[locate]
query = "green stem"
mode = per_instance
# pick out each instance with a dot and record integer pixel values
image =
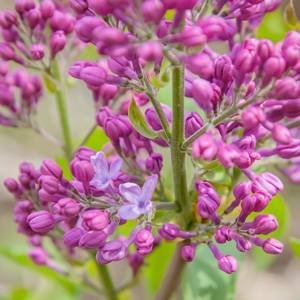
(62, 110)
(107, 282)
(178, 156)
(165, 205)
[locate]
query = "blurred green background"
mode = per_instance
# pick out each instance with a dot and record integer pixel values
(259, 278)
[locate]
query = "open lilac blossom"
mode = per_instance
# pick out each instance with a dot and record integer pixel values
(104, 173)
(138, 200)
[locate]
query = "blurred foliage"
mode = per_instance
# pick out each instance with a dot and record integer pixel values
(295, 243)
(290, 16)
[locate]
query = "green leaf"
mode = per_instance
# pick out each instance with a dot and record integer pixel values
(295, 243)
(97, 140)
(138, 121)
(63, 163)
(20, 293)
(279, 208)
(273, 27)
(163, 216)
(50, 83)
(290, 16)
(203, 280)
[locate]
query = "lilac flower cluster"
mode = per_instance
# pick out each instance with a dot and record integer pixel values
(247, 108)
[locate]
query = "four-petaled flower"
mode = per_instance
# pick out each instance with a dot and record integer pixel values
(104, 174)
(139, 200)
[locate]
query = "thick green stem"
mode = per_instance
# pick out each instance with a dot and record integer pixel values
(62, 110)
(178, 156)
(107, 282)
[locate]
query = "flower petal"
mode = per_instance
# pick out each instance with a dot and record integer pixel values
(115, 167)
(131, 192)
(149, 187)
(128, 212)
(99, 164)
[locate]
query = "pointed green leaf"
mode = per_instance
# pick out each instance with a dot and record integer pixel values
(138, 121)
(290, 16)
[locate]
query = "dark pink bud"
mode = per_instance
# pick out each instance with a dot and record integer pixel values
(72, 237)
(199, 64)
(47, 8)
(272, 246)
(190, 37)
(24, 5)
(193, 123)
(273, 67)
(242, 244)
(108, 92)
(205, 147)
(79, 6)
(289, 151)
(6, 51)
(223, 68)
(94, 220)
(39, 256)
(154, 163)
(8, 18)
(103, 113)
(281, 134)
(93, 76)
(152, 11)
(253, 116)
(152, 118)
(11, 185)
(34, 17)
(67, 207)
(150, 51)
(58, 41)
(49, 167)
(61, 21)
(224, 234)
(248, 206)
(203, 93)
(41, 221)
(135, 261)
(111, 128)
(85, 153)
(264, 224)
(292, 108)
(78, 66)
(267, 182)
(37, 51)
(265, 49)
(85, 26)
(49, 183)
(287, 88)
(82, 170)
(101, 7)
(169, 231)
(144, 242)
(3, 68)
(92, 240)
(291, 49)
(228, 264)
(188, 253)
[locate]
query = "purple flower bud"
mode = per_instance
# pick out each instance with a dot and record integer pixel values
(205, 147)
(72, 237)
(267, 182)
(24, 5)
(47, 8)
(224, 234)
(93, 76)
(92, 240)
(287, 88)
(121, 66)
(273, 67)
(94, 220)
(169, 232)
(272, 246)
(281, 134)
(108, 92)
(67, 207)
(101, 7)
(265, 49)
(61, 21)
(190, 37)
(6, 51)
(228, 264)
(188, 253)
(193, 123)
(11, 185)
(38, 255)
(207, 205)
(79, 6)
(45, 197)
(78, 66)
(150, 51)
(3, 68)
(200, 64)
(248, 206)
(111, 251)
(85, 153)
(82, 170)
(49, 167)
(292, 108)
(262, 224)
(290, 48)
(288, 151)
(49, 183)
(144, 242)
(34, 17)
(103, 113)
(223, 68)
(85, 26)
(58, 41)
(152, 118)
(42, 221)
(112, 128)
(135, 261)
(253, 116)
(7, 19)
(154, 163)
(152, 11)
(37, 51)
(242, 244)
(203, 94)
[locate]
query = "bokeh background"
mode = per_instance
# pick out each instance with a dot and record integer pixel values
(260, 277)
